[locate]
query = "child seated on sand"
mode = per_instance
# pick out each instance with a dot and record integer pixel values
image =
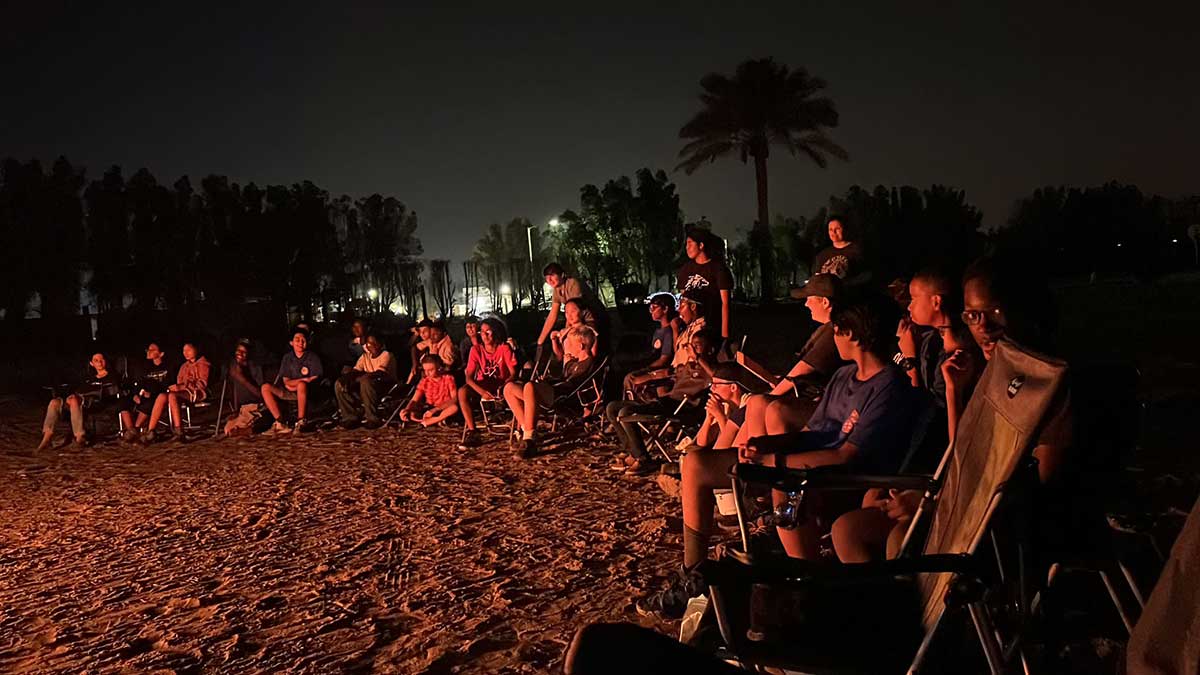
(436, 398)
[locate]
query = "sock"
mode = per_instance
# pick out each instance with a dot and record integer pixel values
(695, 547)
(527, 435)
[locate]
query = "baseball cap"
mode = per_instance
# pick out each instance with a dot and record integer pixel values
(692, 295)
(819, 285)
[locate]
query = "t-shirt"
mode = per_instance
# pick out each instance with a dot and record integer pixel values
(820, 351)
(356, 348)
(496, 367)
(253, 373)
(574, 374)
(294, 367)
(464, 349)
(683, 344)
(662, 342)
(153, 378)
(379, 364)
(593, 313)
(841, 262)
(708, 280)
(437, 390)
(875, 415)
(444, 349)
(931, 354)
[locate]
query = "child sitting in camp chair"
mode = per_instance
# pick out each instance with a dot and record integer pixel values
(524, 399)
(436, 397)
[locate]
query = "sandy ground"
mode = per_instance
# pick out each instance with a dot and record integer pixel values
(331, 552)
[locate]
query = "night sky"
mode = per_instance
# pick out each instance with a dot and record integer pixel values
(484, 113)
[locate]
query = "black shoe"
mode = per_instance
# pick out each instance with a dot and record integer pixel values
(528, 449)
(177, 435)
(373, 424)
(148, 437)
(303, 427)
(348, 424)
(470, 440)
(671, 602)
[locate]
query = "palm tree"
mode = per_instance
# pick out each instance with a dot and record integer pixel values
(764, 103)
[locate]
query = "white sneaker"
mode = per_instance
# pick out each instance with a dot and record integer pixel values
(279, 428)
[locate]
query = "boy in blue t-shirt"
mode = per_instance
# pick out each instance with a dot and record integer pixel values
(298, 368)
(863, 420)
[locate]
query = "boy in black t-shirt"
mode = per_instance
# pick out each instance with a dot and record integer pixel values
(706, 274)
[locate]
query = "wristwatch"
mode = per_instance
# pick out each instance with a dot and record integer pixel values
(905, 362)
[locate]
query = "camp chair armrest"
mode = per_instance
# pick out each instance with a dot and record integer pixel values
(779, 570)
(825, 478)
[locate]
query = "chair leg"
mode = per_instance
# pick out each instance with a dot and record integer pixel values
(1133, 587)
(220, 408)
(987, 637)
(1112, 593)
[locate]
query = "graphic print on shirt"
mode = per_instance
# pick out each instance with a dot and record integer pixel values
(851, 422)
(836, 265)
(695, 281)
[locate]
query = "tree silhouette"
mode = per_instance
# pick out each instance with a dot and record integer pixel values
(763, 104)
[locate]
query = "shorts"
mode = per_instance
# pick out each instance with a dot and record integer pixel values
(283, 393)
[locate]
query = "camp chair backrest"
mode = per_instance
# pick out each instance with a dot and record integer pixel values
(591, 390)
(1000, 423)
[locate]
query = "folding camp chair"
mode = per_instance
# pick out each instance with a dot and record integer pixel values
(662, 432)
(870, 617)
(584, 404)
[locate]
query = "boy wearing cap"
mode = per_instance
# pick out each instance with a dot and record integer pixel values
(818, 360)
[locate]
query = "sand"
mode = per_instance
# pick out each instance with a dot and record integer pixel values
(337, 551)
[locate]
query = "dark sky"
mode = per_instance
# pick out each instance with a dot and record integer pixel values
(485, 112)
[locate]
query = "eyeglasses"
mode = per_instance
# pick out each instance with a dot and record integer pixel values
(974, 317)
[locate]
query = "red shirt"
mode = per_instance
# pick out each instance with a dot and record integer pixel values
(437, 390)
(494, 368)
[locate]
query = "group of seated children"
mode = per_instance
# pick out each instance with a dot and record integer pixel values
(148, 394)
(897, 400)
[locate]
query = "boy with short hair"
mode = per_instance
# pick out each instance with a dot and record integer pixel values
(298, 368)
(374, 372)
(436, 398)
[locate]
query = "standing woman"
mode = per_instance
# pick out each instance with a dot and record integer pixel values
(843, 257)
(101, 384)
(191, 383)
(706, 274)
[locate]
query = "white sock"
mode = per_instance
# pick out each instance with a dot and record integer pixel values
(527, 436)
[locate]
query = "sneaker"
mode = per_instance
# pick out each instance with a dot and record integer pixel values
(147, 437)
(528, 449)
(302, 426)
(470, 440)
(373, 424)
(348, 424)
(279, 428)
(621, 462)
(641, 467)
(177, 435)
(129, 435)
(670, 603)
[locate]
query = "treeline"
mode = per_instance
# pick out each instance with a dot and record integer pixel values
(137, 243)
(1111, 229)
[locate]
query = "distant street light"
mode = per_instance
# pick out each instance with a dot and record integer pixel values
(554, 222)
(505, 289)
(373, 293)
